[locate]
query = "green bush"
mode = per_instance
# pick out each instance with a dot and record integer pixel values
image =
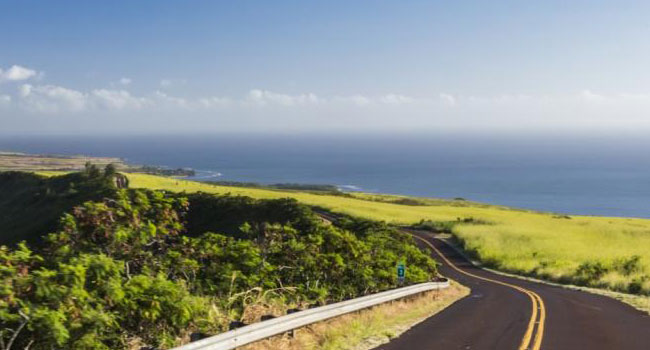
(125, 269)
(589, 273)
(629, 266)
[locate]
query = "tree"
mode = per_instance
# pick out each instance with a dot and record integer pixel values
(91, 170)
(110, 170)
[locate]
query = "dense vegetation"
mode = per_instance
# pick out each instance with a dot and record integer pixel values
(156, 170)
(585, 250)
(143, 267)
(31, 205)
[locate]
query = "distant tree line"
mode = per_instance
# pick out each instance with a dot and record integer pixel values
(281, 186)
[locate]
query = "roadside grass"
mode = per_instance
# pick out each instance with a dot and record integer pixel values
(639, 302)
(367, 328)
(600, 252)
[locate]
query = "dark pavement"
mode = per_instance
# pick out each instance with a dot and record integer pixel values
(496, 316)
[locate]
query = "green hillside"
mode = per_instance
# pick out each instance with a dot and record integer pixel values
(147, 267)
(602, 252)
(31, 205)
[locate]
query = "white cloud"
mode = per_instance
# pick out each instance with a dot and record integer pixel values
(395, 99)
(17, 73)
(163, 100)
(168, 83)
(121, 83)
(264, 97)
(24, 90)
(52, 98)
(214, 101)
(357, 100)
(299, 110)
(367, 101)
(115, 100)
(448, 99)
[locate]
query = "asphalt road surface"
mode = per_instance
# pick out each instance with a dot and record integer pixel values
(510, 313)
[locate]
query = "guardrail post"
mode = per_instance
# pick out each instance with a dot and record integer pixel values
(236, 324)
(292, 333)
(198, 336)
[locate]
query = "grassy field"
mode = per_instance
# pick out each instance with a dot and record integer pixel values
(51, 164)
(601, 252)
(36, 162)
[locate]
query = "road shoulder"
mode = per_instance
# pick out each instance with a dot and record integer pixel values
(368, 328)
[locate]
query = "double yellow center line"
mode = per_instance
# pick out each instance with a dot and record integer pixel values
(538, 317)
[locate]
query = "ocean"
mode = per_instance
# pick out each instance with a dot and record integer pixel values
(573, 175)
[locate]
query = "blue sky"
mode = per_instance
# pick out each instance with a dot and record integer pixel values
(300, 66)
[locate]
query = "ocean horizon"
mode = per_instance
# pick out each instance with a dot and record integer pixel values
(579, 176)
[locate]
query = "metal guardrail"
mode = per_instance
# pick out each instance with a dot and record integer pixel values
(262, 330)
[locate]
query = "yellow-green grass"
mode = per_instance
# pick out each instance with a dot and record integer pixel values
(355, 204)
(51, 172)
(533, 243)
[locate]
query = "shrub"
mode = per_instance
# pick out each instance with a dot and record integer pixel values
(124, 268)
(435, 226)
(635, 287)
(589, 273)
(629, 266)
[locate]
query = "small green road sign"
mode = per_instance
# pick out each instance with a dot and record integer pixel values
(401, 272)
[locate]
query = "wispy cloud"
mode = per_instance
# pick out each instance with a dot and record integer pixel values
(265, 97)
(396, 99)
(215, 102)
(54, 99)
(306, 109)
(114, 100)
(51, 98)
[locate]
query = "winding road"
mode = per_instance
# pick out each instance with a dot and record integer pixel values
(511, 313)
